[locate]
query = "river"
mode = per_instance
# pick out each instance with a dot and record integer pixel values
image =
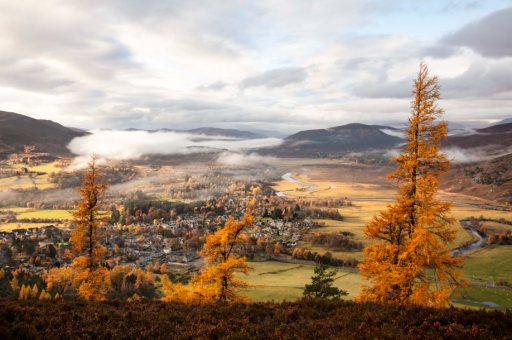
(481, 240)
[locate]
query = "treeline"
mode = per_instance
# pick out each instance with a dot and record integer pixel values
(325, 213)
(324, 258)
(131, 206)
(505, 238)
(334, 240)
(305, 319)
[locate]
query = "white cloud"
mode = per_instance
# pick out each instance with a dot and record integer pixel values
(130, 145)
(169, 63)
(236, 159)
(394, 133)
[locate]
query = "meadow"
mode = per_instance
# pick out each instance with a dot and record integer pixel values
(286, 281)
(11, 226)
(46, 213)
(489, 262)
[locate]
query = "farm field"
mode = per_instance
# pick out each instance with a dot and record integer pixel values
(490, 262)
(483, 294)
(25, 182)
(287, 281)
(11, 226)
(15, 209)
(495, 227)
(46, 213)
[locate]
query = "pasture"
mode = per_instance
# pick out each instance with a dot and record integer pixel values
(286, 281)
(12, 226)
(489, 262)
(473, 295)
(46, 213)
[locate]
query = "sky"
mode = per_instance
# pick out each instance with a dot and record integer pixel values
(268, 64)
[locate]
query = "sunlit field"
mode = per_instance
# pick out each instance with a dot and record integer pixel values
(286, 281)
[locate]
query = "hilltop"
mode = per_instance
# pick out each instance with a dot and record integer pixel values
(17, 130)
(492, 138)
(305, 319)
(346, 138)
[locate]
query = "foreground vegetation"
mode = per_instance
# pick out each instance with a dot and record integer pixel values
(305, 319)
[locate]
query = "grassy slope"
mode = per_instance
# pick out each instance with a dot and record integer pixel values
(286, 281)
(490, 262)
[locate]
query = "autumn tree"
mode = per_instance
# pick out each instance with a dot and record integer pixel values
(412, 236)
(163, 269)
(14, 284)
(93, 278)
(217, 283)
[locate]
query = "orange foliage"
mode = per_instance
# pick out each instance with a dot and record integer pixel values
(412, 235)
(217, 283)
(92, 277)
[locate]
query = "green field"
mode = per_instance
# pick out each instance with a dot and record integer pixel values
(482, 294)
(11, 226)
(354, 220)
(25, 182)
(287, 281)
(490, 262)
(15, 209)
(46, 213)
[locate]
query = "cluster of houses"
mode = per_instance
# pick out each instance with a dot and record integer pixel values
(27, 232)
(153, 247)
(272, 228)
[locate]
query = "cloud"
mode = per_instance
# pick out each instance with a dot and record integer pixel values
(481, 79)
(275, 78)
(394, 133)
(489, 36)
(471, 155)
(130, 145)
(235, 159)
(386, 89)
(217, 86)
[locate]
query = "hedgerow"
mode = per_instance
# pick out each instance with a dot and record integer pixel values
(304, 319)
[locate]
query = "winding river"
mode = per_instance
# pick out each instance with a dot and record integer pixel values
(481, 240)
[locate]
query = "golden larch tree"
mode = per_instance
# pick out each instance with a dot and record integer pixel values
(217, 283)
(411, 238)
(92, 278)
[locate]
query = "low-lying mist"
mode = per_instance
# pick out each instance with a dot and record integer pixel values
(464, 155)
(132, 145)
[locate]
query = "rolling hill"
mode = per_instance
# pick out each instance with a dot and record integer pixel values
(493, 138)
(346, 138)
(17, 130)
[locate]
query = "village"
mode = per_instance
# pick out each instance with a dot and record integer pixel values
(175, 241)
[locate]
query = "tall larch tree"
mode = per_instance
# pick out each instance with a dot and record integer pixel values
(217, 283)
(92, 278)
(411, 238)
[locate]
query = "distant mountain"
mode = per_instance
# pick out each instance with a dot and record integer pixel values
(495, 137)
(209, 131)
(504, 121)
(351, 137)
(17, 130)
(76, 129)
(270, 133)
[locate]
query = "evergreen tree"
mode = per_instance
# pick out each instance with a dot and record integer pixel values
(321, 285)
